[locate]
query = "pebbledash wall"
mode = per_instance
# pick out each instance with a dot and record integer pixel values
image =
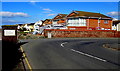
(81, 33)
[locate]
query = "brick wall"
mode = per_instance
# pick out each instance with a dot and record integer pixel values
(79, 33)
(77, 27)
(93, 23)
(106, 26)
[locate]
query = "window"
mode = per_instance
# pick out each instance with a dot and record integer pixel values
(77, 22)
(106, 21)
(82, 22)
(55, 21)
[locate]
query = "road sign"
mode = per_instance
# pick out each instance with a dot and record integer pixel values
(9, 32)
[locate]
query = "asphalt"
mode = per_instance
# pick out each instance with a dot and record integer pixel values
(49, 54)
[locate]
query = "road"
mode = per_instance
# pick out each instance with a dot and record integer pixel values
(71, 53)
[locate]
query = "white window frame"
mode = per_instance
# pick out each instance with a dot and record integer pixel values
(77, 22)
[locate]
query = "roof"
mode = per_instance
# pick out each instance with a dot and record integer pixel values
(19, 24)
(60, 16)
(87, 14)
(47, 21)
(116, 21)
(31, 24)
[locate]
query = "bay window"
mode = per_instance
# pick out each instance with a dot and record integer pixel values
(76, 22)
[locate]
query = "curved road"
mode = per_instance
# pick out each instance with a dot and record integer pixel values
(71, 53)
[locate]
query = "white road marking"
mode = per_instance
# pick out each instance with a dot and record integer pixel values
(63, 43)
(89, 55)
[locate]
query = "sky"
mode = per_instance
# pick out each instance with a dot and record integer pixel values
(61, 0)
(30, 12)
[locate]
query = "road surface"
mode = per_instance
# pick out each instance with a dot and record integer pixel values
(71, 53)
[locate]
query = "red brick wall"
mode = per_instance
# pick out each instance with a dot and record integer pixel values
(79, 33)
(93, 23)
(107, 26)
(78, 27)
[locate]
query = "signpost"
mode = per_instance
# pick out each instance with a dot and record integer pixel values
(9, 33)
(10, 52)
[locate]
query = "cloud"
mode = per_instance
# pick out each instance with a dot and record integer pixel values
(51, 14)
(46, 12)
(115, 19)
(11, 14)
(47, 9)
(113, 13)
(33, 2)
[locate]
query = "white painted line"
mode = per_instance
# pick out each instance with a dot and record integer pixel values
(63, 43)
(89, 55)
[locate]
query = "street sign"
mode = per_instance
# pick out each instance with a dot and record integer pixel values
(9, 33)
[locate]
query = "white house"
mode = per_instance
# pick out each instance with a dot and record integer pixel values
(116, 25)
(37, 25)
(19, 26)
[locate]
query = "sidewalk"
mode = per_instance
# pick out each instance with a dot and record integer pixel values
(0, 36)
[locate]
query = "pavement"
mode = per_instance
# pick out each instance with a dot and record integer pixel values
(0, 55)
(0, 34)
(71, 53)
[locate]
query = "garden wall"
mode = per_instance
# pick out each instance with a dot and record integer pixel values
(81, 33)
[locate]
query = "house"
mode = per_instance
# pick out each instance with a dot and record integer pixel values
(60, 19)
(47, 22)
(88, 21)
(28, 27)
(37, 25)
(31, 26)
(19, 26)
(116, 25)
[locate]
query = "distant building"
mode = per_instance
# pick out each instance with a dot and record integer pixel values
(37, 25)
(28, 26)
(19, 26)
(88, 20)
(116, 25)
(60, 19)
(47, 22)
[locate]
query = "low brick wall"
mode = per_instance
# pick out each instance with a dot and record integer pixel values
(79, 33)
